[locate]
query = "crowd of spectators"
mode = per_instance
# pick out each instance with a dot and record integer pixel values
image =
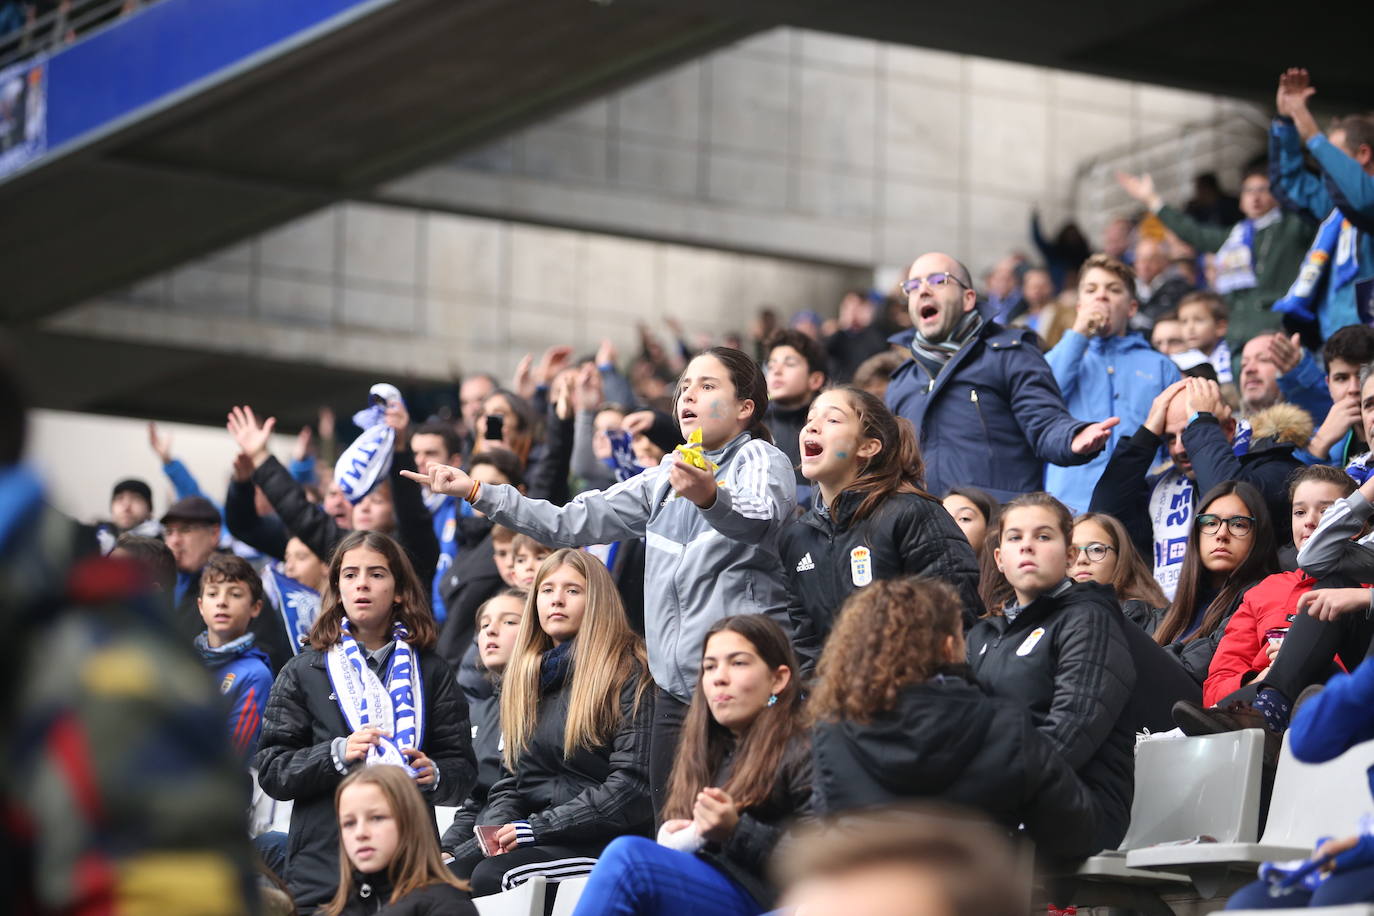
(662, 620)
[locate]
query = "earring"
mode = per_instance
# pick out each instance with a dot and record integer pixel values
(773, 699)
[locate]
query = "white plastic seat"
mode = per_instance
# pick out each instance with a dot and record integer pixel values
(525, 900)
(566, 896)
(1309, 801)
(1184, 788)
(443, 817)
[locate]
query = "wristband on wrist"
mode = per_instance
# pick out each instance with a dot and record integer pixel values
(473, 491)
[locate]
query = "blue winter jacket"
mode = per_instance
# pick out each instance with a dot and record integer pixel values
(1101, 378)
(992, 416)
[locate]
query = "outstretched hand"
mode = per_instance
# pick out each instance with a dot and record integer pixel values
(442, 478)
(1093, 437)
(1295, 88)
(162, 445)
(251, 436)
(1140, 187)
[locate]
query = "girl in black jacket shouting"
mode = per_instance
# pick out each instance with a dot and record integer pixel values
(368, 688)
(1231, 547)
(916, 726)
(1058, 649)
(575, 718)
(743, 770)
(871, 519)
(389, 861)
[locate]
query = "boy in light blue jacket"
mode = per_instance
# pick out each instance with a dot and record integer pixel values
(1104, 370)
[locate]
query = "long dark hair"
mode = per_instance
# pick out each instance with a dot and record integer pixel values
(412, 598)
(705, 742)
(898, 467)
(749, 383)
(1262, 561)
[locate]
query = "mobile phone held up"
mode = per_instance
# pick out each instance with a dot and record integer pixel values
(494, 430)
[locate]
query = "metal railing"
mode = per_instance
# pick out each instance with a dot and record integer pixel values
(68, 21)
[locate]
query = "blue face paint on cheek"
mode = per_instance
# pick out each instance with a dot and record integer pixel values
(716, 412)
(842, 455)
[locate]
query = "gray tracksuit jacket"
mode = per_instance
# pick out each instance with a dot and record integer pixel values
(700, 564)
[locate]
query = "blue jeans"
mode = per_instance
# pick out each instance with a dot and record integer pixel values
(638, 877)
(1353, 886)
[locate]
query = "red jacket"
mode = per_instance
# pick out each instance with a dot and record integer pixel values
(1271, 602)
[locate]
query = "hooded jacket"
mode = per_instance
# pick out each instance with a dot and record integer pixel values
(947, 740)
(991, 417)
(700, 564)
(584, 800)
(295, 761)
(908, 535)
(1064, 658)
(1103, 377)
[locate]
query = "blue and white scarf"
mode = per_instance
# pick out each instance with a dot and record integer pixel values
(1171, 516)
(1332, 257)
(297, 604)
(622, 459)
(368, 459)
(397, 708)
(1235, 259)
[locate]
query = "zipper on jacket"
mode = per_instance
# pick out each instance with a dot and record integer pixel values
(973, 397)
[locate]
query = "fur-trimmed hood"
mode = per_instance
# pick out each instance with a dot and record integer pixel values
(1281, 424)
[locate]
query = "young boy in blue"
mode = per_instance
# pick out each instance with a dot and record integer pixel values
(230, 597)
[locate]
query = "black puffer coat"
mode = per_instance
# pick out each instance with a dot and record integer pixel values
(587, 799)
(1065, 659)
(295, 761)
(908, 535)
(371, 893)
(947, 740)
(486, 745)
(745, 855)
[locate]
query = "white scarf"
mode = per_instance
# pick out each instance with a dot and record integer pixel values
(1171, 515)
(368, 459)
(396, 708)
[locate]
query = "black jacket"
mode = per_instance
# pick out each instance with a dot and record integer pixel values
(1065, 659)
(947, 740)
(1123, 490)
(371, 893)
(265, 534)
(908, 535)
(785, 425)
(471, 580)
(294, 761)
(745, 855)
(319, 532)
(486, 746)
(1194, 655)
(585, 800)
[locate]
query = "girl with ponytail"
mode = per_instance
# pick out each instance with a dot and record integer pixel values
(871, 518)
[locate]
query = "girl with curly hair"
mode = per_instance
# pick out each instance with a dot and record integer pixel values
(917, 726)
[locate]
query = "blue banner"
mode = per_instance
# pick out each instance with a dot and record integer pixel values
(23, 114)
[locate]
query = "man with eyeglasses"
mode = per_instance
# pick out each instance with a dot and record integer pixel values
(984, 404)
(1191, 421)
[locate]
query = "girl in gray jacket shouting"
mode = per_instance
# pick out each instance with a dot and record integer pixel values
(711, 534)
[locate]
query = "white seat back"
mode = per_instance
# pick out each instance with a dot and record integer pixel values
(1187, 787)
(1313, 800)
(566, 895)
(443, 817)
(525, 900)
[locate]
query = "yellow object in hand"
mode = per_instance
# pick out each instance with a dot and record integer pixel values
(692, 453)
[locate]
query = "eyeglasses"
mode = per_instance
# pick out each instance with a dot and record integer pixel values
(1096, 552)
(936, 281)
(1239, 525)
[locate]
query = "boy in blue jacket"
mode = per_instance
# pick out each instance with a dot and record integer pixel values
(1104, 369)
(230, 597)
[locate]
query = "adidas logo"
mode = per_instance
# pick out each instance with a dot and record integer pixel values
(805, 564)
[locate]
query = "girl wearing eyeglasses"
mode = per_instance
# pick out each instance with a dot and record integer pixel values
(1102, 552)
(1230, 547)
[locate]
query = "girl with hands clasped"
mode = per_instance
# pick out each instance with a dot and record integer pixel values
(575, 712)
(743, 771)
(367, 690)
(389, 862)
(711, 536)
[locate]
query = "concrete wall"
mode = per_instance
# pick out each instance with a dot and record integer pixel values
(806, 144)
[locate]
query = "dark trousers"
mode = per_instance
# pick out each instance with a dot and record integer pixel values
(495, 874)
(669, 714)
(1309, 647)
(1353, 886)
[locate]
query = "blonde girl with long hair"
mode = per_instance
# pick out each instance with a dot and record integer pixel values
(576, 710)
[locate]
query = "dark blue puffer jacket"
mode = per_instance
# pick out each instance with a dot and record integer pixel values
(991, 418)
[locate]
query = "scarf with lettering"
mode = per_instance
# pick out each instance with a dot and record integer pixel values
(395, 704)
(1171, 516)
(1235, 259)
(297, 604)
(1331, 258)
(368, 459)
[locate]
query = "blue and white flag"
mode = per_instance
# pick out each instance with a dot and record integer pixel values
(368, 459)
(297, 604)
